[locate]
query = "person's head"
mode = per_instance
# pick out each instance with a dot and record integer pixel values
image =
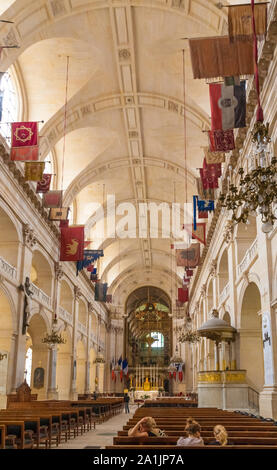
(193, 428)
(220, 434)
(148, 425)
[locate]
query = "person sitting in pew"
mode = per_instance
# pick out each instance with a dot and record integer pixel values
(146, 427)
(221, 436)
(193, 438)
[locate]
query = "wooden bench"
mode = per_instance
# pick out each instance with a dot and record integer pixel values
(236, 440)
(17, 435)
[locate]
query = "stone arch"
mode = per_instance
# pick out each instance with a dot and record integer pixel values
(10, 237)
(223, 272)
(66, 296)
(83, 312)
(245, 234)
(250, 337)
(42, 274)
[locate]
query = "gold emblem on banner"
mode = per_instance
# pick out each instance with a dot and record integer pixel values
(71, 248)
(26, 133)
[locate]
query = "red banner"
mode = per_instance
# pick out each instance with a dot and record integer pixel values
(24, 134)
(190, 257)
(72, 243)
(52, 199)
(43, 186)
(23, 154)
(183, 294)
(221, 141)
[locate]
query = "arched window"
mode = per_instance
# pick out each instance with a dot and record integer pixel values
(28, 366)
(159, 343)
(8, 105)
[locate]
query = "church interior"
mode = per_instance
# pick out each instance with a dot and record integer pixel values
(138, 233)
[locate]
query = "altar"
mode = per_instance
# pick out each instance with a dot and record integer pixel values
(140, 394)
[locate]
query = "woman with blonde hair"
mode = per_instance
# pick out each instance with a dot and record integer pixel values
(221, 436)
(146, 427)
(193, 438)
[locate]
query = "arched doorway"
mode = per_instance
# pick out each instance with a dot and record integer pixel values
(251, 345)
(64, 369)
(6, 329)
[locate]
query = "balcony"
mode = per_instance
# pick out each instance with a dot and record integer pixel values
(224, 294)
(249, 258)
(7, 270)
(41, 297)
(82, 328)
(65, 315)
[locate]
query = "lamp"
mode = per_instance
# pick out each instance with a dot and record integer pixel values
(54, 337)
(188, 335)
(257, 190)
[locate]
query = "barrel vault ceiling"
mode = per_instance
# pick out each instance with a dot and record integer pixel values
(125, 111)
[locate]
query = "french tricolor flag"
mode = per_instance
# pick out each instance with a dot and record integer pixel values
(228, 106)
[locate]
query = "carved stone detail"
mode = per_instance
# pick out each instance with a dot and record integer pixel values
(228, 232)
(77, 293)
(213, 268)
(203, 290)
(29, 236)
(124, 54)
(58, 271)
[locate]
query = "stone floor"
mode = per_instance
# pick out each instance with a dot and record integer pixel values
(102, 435)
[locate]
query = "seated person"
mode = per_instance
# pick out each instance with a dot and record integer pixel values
(221, 436)
(146, 427)
(193, 438)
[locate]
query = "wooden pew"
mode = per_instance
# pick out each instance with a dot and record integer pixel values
(236, 440)
(14, 431)
(2, 436)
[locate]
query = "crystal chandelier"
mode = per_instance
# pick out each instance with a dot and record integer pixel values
(54, 337)
(257, 192)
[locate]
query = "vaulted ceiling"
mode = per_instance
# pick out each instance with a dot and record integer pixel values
(125, 111)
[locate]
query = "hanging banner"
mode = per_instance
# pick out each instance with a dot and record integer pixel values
(208, 193)
(221, 141)
(91, 268)
(199, 233)
(34, 171)
(72, 243)
(88, 258)
(214, 157)
(24, 134)
(228, 106)
(190, 257)
(109, 298)
(240, 21)
(58, 213)
(52, 199)
(100, 292)
(209, 174)
(23, 154)
(43, 185)
(214, 57)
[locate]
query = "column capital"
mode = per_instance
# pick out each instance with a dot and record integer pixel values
(29, 236)
(213, 268)
(77, 293)
(228, 232)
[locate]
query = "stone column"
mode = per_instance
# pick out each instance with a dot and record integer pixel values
(29, 242)
(88, 365)
(73, 390)
(216, 356)
(268, 396)
(52, 393)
